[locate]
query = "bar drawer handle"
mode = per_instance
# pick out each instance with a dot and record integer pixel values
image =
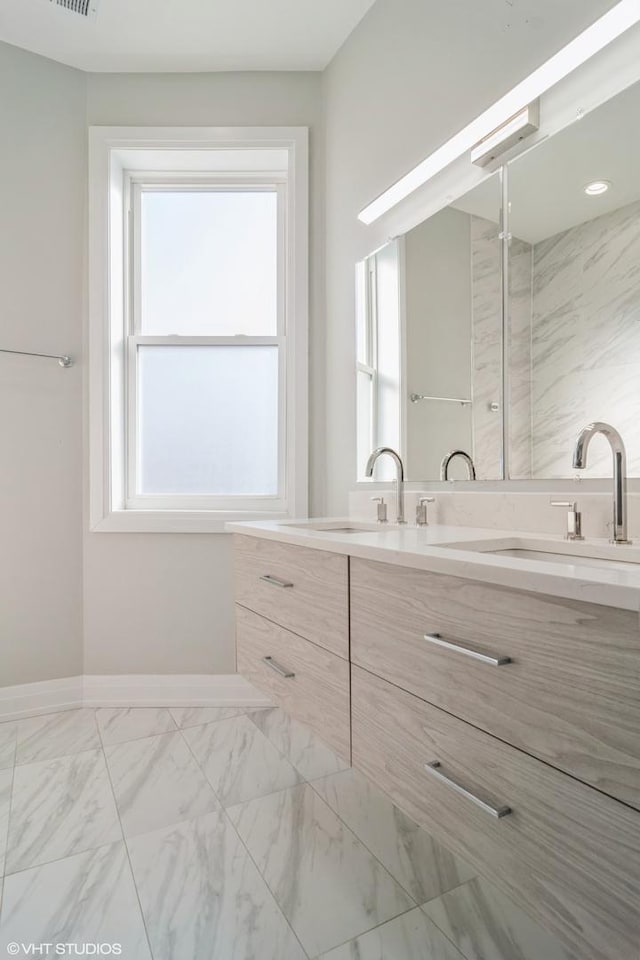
(439, 641)
(276, 581)
(270, 662)
(434, 768)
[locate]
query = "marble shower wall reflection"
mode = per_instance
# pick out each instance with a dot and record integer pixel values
(574, 334)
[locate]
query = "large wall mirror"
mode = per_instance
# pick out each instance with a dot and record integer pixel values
(432, 322)
(429, 319)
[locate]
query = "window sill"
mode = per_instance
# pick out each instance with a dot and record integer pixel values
(177, 521)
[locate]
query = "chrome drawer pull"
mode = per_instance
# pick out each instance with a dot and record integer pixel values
(275, 581)
(270, 662)
(498, 812)
(439, 641)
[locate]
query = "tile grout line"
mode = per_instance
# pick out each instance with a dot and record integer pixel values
(309, 783)
(246, 849)
(437, 925)
(399, 916)
(124, 840)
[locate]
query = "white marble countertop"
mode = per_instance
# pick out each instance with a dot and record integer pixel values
(425, 548)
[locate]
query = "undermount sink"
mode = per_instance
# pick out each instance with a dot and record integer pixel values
(341, 526)
(575, 553)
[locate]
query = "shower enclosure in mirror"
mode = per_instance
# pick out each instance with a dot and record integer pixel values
(457, 353)
(574, 293)
(429, 321)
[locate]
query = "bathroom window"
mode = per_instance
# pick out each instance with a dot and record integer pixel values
(206, 330)
(208, 358)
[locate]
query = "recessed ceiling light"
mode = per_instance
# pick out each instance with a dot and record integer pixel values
(596, 187)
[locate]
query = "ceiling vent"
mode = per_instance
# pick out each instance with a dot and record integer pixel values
(85, 8)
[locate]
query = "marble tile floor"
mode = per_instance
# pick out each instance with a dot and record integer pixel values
(226, 834)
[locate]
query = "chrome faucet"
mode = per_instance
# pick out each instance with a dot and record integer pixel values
(444, 466)
(378, 452)
(619, 472)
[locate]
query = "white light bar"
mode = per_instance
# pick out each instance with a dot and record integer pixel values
(601, 33)
(513, 131)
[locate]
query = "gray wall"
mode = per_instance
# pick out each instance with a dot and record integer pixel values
(42, 177)
(438, 319)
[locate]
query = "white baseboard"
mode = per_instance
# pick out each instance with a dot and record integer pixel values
(177, 690)
(134, 690)
(48, 696)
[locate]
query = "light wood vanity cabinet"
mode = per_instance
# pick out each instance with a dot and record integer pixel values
(567, 853)
(306, 680)
(292, 632)
(561, 679)
(517, 700)
(306, 591)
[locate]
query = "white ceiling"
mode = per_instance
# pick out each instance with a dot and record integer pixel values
(546, 184)
(185, 35)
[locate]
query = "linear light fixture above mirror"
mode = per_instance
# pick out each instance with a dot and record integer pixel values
(604, 31)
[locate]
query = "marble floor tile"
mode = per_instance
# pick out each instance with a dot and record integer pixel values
(203, 898)
(238, 760)
(121, 724)
(59, 808)
(56, 735)
(88, 898)
(411, 936)
(157, 782)
(309, 755)
(485, 925)
(7, 744)
(326, 882)
(418, 862)
(196, 716)
(6, 779)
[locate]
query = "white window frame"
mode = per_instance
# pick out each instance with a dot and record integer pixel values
(115, 506)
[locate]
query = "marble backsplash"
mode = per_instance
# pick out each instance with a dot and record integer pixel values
(509, 510)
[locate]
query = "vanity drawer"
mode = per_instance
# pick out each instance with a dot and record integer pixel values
(566, 853)
(301, 589)
(316, 689)
(570, 693)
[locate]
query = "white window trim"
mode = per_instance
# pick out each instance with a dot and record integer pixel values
(108, 508)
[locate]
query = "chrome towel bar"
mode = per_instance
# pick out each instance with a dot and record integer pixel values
(63, 360)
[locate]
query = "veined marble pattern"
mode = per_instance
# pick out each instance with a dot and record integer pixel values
(309, 755)
(270, 877)
(409, 937)
(586, 340)
(157, 782)
(326, 882)
(238, 760)
(418, 862)
(60, 807)
(88, 898)
(483, 923)
(7, 745)
(203, 898)
(56, 735)
(121, 724)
